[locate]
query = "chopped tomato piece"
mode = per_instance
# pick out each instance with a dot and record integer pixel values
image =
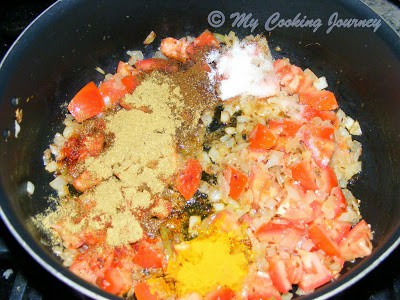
(176, 49)
(319, 140)
(113, 89)
(92, 263)
(280, 232)
(115, 281)
(337, 229)
(125, 69)
(303, 173)
(357, 243)
(285, 127)
(327, 180)
(153, 64)
(225, 221)
(316, 273)
(280, 64)
(321, 100)
(279, 276)
(85, 181)
(148, 255)
(87, 103)
(292, 77)
(262, 138)
(237, 182)
(116, 88)
(143, 292)
(310, 113)
(130, 82)
(206, 39)
(294, 269)
(221, 293)
(259, 182)
(262, 288)
(322, 240)
(189, 179)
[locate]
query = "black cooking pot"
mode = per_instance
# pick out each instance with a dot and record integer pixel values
(59, 52)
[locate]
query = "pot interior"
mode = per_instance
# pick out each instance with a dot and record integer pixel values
(58, 54)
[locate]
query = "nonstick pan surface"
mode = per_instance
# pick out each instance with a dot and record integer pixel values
(59, 51)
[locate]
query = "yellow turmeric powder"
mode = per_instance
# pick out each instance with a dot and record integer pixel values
(203, 264)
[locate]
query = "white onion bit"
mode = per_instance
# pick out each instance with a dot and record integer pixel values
(17, 128)
(30, 188)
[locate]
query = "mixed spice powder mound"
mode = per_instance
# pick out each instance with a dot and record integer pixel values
(135, 168)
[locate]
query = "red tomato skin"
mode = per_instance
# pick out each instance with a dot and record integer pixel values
(142, 292)
(281, 232)
(279, 276)
(237, 182)
(221, 293)
(206, 38)
(294, 269)
(328, 180)
(285, 127)
(130, 82)
(115, 281)
(322, 240)
(125, 69)
(261, 288)
(319, 140)
(189, 179)
(87, 103)
(261, 138)
(321, 100)
(310, 113)
(337, 229)
(153, 64)
(315, 272)
(304, 174)
(357, 243)
(147, 255)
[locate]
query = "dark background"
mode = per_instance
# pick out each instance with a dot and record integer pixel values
(30, 281)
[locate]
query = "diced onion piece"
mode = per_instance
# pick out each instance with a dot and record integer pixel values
(68, 131)
(230, 130)
(225, 117)
(150, 38)
(7, 273)
(159, 54)
(51, 167)
(311, 74)
(194, 222)
(46, 156)
(220, 37)
(100, 70)
(215, 196)
(58, 183)
(320, 83)
(214, 154)
(206, 119)
(30, 188)
(218, 207)
(17, 128)
(59, 139)
(356, 129)
(134, 56)
(243, 119)
(348, 123)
